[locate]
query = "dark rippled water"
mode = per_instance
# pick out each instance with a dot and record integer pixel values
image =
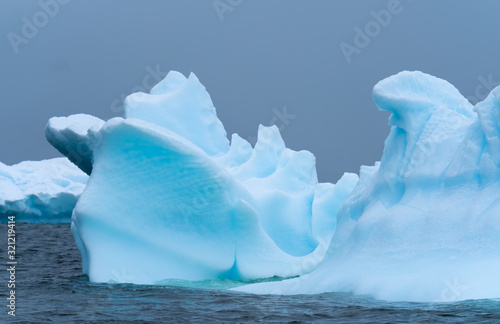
(51, 289)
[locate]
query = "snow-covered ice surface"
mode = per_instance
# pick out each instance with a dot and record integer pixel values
(40, 191)
(169, 197)
(71, 136)
(423, 224)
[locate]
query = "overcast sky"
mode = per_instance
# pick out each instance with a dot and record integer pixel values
(307, 66)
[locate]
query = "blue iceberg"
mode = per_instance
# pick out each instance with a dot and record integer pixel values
(423, 224)
(40, 191)
(169, 197)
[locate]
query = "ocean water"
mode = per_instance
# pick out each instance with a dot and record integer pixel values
(51, 289)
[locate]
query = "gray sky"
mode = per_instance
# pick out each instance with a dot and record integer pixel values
(255, 57)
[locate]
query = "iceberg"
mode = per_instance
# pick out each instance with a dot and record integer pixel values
(423, 224)
(70, 136)
(40, 191)
(170, 197)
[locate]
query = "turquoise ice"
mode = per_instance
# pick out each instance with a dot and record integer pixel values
(169, 197)
(423, 224)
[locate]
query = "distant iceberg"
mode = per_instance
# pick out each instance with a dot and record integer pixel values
(40, 191)
(423, 224)
(169, 197)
